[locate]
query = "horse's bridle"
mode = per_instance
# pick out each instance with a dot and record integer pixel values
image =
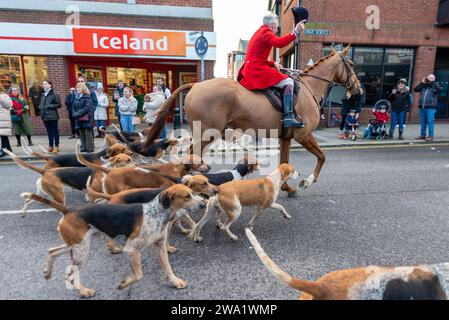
(349, 84)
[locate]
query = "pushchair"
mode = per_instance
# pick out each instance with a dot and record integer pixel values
(375, 130)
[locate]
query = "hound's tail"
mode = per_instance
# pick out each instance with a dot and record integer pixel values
(23, 164)
(95, 194)
(88, 164)
(30, 152)
(47, 202)
(121, 134)
(161, 118)
(306, 286)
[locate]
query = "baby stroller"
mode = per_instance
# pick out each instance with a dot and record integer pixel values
(375, 130)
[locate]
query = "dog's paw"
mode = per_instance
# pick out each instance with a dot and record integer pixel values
(47, 274)
(125, 283)
(115, 250)
(171, 249)
(293, 194)
(178, 283)
(87, 293)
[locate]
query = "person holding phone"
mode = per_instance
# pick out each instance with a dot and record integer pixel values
(429, 91)
(401, 100)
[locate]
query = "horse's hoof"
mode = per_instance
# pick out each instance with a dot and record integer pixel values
(293, 194)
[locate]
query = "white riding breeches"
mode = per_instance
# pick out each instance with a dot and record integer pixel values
(285, 82)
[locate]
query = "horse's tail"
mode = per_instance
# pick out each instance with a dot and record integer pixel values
(312, 288)
(159, 122)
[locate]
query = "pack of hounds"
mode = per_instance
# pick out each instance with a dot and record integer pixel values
(135, 194)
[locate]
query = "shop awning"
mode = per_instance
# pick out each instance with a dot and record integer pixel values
(443, 14)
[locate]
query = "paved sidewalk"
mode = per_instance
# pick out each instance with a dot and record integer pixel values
(327, 137)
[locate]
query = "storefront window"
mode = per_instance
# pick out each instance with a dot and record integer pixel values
(93, 75)
(36, 71)
(379, 69)
(11, 72)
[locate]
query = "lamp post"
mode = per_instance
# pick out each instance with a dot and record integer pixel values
(297, 45)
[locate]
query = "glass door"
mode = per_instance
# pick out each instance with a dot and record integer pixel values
(442, 77)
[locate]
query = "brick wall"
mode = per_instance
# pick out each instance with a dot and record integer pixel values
(110, 21)
(408, 23)
(208, 70)
(58, 74)
(181, 3)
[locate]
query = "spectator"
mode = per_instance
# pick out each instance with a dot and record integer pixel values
(152, 104)
(350, 102)
(428, 100)
(5, 121)
(118, 93)
(128, 107)
(20, 116)
(50, 103)
(35, 94)
(93, 96)
(167, 94)
(350, 122)
(101, 112)
(83, 114)
(69, 101)
(400, 99)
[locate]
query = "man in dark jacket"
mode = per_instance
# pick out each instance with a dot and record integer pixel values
(50, 103)
(69, 101)
(428, 100)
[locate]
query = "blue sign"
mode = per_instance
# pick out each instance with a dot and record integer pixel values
(317, 32)
(201, 46)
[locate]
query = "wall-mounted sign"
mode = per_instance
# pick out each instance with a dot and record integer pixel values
(129, 42)
(317, 32)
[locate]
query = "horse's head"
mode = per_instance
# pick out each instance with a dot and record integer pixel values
(345, 74)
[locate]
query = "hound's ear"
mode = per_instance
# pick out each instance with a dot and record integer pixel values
(113, 160)
(165, 200)
(108, 153)
(346, 50)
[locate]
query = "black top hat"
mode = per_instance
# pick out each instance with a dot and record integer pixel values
(300, 13)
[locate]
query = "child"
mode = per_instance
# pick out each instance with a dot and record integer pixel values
(350, 122)
(381, 115)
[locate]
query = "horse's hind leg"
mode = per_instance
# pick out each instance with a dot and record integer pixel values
(310, 144)
(285, 157)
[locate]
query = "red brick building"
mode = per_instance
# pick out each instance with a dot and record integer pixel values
(410, 41)
(136, 41)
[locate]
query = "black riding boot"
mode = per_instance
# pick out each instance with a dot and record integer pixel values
(30, 143)
(19, 142)
(288, 119)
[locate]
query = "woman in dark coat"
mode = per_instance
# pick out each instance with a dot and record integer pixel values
(50, 103)
(83, 112)
(401, 100)
(350, 102)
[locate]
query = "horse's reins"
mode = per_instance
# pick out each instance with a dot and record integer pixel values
(348, 84)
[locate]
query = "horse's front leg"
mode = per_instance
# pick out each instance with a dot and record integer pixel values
(285, 157)
(310, 144)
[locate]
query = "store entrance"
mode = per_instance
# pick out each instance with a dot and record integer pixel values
(442, 77)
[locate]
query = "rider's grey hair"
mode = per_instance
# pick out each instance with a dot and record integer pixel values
(270, 18)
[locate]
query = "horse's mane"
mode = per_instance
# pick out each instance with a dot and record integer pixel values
(308, 69)
(316, 64)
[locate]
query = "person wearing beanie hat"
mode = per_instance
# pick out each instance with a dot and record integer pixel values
(101, 112)
(400, 99)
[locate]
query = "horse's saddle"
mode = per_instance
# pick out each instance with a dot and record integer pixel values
(275, 97)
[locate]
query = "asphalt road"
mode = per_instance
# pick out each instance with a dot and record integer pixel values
(385, 206)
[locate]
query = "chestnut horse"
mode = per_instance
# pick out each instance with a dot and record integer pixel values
(223, 103)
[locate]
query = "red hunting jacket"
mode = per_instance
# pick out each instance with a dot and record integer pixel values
(257, 72)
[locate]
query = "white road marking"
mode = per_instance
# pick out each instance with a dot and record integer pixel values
(9, 212)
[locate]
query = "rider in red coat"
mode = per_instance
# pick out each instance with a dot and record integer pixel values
(258, 72)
